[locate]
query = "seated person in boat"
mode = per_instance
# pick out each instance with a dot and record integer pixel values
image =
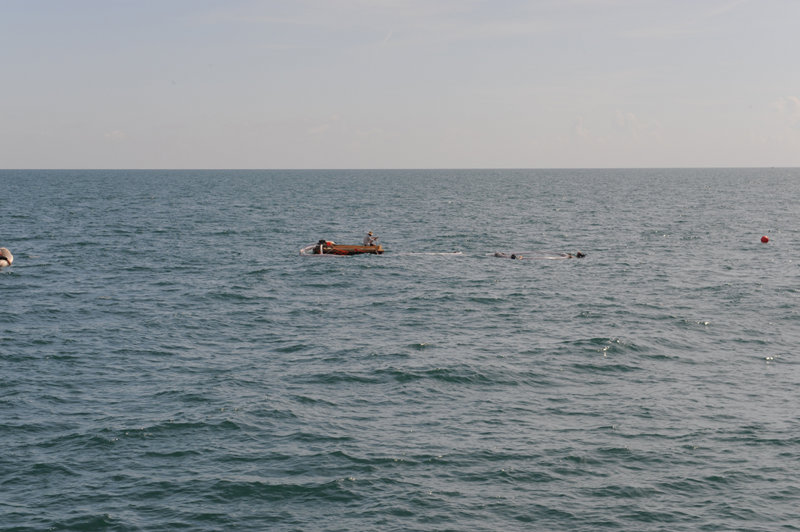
(319, 249)
(370, 240)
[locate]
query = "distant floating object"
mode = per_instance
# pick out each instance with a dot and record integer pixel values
(765, 239)
(6, 258)
(539, 255)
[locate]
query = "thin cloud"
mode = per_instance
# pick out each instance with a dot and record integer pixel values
(116, 135)
(635, 127)
(324, 127)
(579, 130)
(421, 21)
(682, 28)
(789, 108)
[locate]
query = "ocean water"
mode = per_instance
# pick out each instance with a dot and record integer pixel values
(169, 361)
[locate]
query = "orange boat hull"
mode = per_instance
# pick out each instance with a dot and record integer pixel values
(340, 249)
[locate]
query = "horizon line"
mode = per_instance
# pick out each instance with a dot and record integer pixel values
(437, 168)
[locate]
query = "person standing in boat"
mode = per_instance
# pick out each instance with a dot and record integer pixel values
(370, 240)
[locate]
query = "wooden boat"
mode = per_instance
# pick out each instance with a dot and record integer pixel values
(326, 247)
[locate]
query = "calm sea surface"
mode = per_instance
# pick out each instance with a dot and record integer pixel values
(168, 360)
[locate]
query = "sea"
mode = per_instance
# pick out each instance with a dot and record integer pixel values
(169, 360)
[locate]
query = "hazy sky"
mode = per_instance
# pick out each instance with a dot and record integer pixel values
(399, 83)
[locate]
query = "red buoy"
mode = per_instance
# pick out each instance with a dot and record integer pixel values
(765, 239)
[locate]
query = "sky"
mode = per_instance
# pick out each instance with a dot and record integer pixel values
(399, 83)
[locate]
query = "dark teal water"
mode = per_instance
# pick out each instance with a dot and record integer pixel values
(168, 361)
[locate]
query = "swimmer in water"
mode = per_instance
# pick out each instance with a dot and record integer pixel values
(576, 255)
